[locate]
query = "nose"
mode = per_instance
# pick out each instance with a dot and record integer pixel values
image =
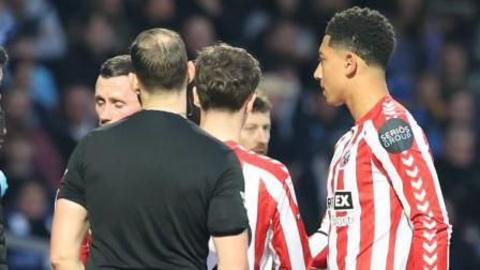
(262, 136)
(105, 115)
(317, 75)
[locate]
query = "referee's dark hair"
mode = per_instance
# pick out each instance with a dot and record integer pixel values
(3, 57)
(120, 65)
(365, 32)
(159, 60)
(225, 77)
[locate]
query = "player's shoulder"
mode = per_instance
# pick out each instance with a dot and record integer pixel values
(395, 126)
(262, 163)
(391, 108)
(390, 112)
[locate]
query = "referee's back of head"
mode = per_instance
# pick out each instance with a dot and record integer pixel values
(159, 60)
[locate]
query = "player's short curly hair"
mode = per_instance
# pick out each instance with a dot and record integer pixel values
(365, 32)
(225, 77)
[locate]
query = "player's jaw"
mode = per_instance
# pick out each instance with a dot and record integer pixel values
(333, 94)
(260, 148)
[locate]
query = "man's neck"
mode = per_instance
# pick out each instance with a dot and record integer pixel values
(173, 102)
(225, 126)
(365, 94)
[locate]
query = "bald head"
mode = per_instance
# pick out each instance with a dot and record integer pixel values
(159, 60)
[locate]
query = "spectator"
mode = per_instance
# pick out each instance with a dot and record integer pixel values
(198, 32)
(79, 111)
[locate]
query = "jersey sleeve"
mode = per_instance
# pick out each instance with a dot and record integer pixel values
(85, 248)
(289, 237)
(73, 185)
(318, 243)
(227, 214)
(401, 150)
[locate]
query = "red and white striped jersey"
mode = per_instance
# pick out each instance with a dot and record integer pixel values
(385, 206)
(278, 239)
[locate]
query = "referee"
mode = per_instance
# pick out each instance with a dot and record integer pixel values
(153, 187)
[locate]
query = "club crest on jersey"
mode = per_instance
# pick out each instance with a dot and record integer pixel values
(396, 135)
(345, 159)
(342, 200)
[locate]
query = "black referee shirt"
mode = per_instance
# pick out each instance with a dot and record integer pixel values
(156, 188)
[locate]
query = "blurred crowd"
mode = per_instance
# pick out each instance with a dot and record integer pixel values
(56, 48)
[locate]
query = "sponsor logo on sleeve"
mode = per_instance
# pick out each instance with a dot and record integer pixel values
(396, 135)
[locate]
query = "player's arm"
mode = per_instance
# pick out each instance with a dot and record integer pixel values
(70, 221)
(318, 243)
(227, 217)
(85, 247)
(289, 238)
(232, 251)
(407, 161)
(68, 231)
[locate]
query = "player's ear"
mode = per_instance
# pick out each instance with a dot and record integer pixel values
(134, 81)
(196, 100)
(190, 71)
(249, 102)
(351, 64)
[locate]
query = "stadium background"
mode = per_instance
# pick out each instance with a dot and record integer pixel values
(57, 46)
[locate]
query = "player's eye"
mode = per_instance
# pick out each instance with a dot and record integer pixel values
(118, 104)
(100, 102)
(249, 128)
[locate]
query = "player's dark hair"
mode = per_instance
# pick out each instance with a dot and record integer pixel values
(365, 32)
(159, 60)
(225, 77)
(120, 65)
(261, 104)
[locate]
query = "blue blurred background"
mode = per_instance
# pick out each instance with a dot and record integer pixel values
(57, 46)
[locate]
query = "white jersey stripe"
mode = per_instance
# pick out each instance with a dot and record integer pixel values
(381, 195)
(266, 262)
(350, 182)
(332, 255)
(403, 243)
(333, 177)
(251, 203)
